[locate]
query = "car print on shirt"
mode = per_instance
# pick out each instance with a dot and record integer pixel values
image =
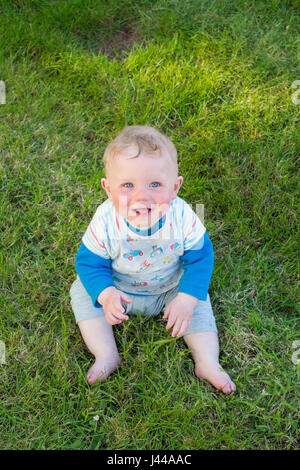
(156, 249)
(174, 246)
(139, 284)
(132, 254)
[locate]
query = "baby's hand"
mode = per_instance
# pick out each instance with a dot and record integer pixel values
(111, 300)
(179, 313)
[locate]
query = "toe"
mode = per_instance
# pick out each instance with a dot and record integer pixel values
(91, 378)
(226, 388)
(233, 387)
(229, 387)
(217, 377)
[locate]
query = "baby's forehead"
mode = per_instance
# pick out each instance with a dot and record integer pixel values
(133, 151)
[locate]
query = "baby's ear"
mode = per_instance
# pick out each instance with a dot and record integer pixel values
(105, 186)
(177, 185)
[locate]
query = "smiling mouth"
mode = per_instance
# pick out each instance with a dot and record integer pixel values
(142, 212)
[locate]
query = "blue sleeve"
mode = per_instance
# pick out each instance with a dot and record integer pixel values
(94, 272)
(197, 264)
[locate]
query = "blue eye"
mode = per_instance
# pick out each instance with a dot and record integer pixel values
(155, 184)
(128, 185)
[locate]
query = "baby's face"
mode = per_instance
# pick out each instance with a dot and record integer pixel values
(142, 188)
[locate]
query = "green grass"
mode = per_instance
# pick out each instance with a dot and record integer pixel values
(216, 77)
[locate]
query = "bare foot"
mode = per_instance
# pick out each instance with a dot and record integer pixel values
(216, 376)
(101, 369)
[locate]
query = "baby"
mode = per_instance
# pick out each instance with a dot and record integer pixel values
(145, 251)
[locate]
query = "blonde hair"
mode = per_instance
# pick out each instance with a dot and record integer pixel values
(147, 140)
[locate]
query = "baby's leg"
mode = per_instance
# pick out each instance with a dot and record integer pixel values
(98, 337)
(204, 347)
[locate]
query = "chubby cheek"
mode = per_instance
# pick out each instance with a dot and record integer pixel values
(120, 202)
(163, 202)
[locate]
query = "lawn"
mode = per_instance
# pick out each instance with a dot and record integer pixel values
(216, 77)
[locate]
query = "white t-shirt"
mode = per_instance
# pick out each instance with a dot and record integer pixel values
(145, 264)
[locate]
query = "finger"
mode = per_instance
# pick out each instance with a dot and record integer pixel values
(171, 321)
(125, 298)
(119, 315)
(118, 310)
(176, 328)
(166, 313)
(184, 327)
(111, 319)
(180, 327)
(117, 306)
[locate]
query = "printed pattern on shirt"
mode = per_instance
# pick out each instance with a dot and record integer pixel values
(144, 264)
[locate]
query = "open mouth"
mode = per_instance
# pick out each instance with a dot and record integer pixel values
(142, 212)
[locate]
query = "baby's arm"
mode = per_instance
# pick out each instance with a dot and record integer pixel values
(95, 274)
(197, 264)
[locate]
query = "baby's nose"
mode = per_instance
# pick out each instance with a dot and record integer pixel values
(142, 194)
